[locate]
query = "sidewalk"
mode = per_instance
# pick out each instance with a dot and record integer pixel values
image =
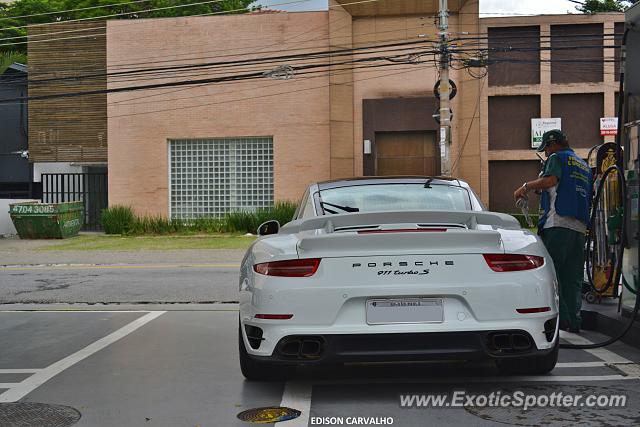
(606, 319)
(14, 251)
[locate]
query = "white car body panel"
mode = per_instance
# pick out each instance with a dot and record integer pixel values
(332, 301)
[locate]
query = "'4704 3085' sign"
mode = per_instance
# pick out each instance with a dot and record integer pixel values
(32, 209)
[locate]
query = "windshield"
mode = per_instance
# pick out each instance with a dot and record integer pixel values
(394, 197)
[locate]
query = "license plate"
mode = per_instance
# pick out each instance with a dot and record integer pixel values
(405, 310)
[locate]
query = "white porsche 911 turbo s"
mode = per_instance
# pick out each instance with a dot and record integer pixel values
(396, 269)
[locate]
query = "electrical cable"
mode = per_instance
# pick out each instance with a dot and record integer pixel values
(618, 267)
(240, 62)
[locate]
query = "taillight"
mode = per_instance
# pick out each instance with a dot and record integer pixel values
(513, 262)
(289, 268)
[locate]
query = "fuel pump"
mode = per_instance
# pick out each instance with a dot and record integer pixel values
(612, 255)
(604, 243)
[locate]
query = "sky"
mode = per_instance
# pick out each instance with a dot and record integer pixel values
(487, 7)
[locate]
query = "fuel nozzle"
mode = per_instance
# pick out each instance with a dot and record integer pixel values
(523, 204)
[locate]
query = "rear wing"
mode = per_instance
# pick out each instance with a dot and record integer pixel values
(466, 219)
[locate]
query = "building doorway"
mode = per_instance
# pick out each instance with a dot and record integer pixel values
(407, 153)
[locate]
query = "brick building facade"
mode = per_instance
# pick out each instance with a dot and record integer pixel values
(210, 148)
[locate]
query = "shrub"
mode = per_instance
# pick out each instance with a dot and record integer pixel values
(248, 221)
(118, 219)
(121, 220)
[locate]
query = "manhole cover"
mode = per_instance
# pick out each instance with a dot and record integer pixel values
(558, 415)
(268, 415)
(37, 415)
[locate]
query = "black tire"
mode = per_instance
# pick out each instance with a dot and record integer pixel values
(537, 365)
(255, 370)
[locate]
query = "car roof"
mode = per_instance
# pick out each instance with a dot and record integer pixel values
(368, 180)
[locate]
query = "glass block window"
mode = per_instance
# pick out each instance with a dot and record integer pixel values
(210, 177)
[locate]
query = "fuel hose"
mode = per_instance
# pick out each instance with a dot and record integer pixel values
(614, 277)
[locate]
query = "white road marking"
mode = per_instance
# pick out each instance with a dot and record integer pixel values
(505, 379)
(297, 395)
(19, 371)
(70, 310)
(601, 353)
(580, 364)
(36, 380)
(8, 385)
(112, 266)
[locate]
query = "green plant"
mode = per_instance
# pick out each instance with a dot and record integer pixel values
(249, 221)
(121, 220)
(9, 57)
(118, 219)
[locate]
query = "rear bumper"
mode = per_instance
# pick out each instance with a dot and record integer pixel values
(397, 347)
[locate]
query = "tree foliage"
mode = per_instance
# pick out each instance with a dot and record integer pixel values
(9, 57)
(595, 6)
(62, 10)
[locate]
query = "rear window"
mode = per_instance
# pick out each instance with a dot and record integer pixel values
(395, 197)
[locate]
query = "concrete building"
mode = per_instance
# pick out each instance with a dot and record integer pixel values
(213, 147)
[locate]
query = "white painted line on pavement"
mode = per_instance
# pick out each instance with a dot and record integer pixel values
(297, 395)
(70, 311)
(114, 266)
(8, 385)
(601, 353)
(19, 371)
(505, 379)
(44, 375)
(580, 364)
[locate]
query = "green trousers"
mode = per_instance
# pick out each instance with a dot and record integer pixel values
(566, 248)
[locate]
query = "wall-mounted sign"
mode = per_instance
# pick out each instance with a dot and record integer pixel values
(366, 147)
(608, 126)
(540, 126)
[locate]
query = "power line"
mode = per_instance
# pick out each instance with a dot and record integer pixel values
(57, 12)
(95, 18)
(239, 62)
(184, 82)
(261, 96)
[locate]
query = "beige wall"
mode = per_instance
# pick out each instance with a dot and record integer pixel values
(316, 121)
(294, 112)
(418, 81)
(545, 89)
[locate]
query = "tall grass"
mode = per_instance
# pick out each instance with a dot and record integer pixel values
(122, 220)
(117, 219)
(248, 222)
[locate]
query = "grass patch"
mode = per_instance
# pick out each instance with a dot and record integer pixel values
(86, 242)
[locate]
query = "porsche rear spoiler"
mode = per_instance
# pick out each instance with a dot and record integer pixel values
(466, 219)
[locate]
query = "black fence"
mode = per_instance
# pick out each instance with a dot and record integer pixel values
(90, 188)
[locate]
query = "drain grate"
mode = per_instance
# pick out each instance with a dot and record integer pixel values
(268, 415)
(566, 416)
(29, 414)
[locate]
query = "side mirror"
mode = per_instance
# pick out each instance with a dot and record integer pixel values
(269, 227)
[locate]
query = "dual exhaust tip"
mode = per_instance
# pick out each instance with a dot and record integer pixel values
(510, 342)
(302, 347)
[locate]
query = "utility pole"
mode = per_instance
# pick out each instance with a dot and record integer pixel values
(445, 90)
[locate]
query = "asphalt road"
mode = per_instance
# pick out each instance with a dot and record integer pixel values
(131, 283)
(180, 368)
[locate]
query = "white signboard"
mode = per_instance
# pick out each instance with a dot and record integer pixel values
(608, 126)
(540, 126)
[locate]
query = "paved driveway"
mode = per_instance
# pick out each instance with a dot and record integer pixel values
(179, 368)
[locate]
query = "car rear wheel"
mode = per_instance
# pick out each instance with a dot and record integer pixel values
(537, 365)
(255, 370)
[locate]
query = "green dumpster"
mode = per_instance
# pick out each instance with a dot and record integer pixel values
(47, 221)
